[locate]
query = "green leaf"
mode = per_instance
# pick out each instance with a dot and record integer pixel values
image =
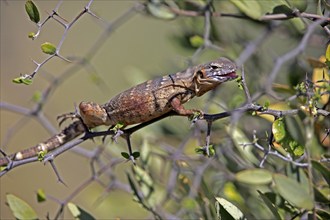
(293, 192)
(266, 104)
(48, 48)
(322, 169)
(254, 176)
(250, 8)
(159, 10)
(20, 209)
(23, 80)
(133, 187)
(117, 127)
(301, 5)
(296, 148)
(295, 128)
(270, 205)
(327, 62)
(323, 214)
(231, 209)
(189, 203)
(211, 150)
(143, 177)
(145, 182)
(278, 129)
(79, 213)
(32, 10)
(231, 192)
(199, 150)
(136, 154)
(203, 150)
(284, 138)
(321, 196)
(125, 155)
(239, 138)
(41, 196)
(327, 53)
(282, 9)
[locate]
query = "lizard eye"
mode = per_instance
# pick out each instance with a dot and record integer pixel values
(215, 67)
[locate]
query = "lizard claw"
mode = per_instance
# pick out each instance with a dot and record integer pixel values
(71, 115)
(64, 117)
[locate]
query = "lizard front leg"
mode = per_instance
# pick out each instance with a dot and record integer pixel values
(180, 109)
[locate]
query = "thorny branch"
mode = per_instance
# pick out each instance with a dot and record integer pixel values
(248, 107)
(208, 117)
(269, 17)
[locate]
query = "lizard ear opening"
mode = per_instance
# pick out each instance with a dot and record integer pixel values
(200, 74)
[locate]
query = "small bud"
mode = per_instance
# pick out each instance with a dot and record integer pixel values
(196, 41)
(32, 35)
(23, 80)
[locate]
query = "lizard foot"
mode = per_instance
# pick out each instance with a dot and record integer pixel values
(197, 115)
(70, 115)
(64, 117)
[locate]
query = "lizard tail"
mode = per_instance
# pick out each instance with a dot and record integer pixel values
(72, 131)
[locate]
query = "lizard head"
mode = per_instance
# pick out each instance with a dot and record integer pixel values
(210, 75)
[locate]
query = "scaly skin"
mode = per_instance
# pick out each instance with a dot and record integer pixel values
(141, 103)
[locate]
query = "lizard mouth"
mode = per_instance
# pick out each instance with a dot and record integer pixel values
(225, 77)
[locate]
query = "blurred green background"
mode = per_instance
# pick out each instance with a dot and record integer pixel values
(141, 48)
(142, 44)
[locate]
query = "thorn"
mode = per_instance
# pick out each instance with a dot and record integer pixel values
(207, 150)
(93, 14)
(128, 140)
(35, 62)
(63, 58)
(56, 14)
(208, 137)
(10, 161)
(59, 179)
(3, 153)
(108, 133)
(48, 158)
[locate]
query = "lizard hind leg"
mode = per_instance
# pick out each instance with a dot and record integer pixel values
(193, 114)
